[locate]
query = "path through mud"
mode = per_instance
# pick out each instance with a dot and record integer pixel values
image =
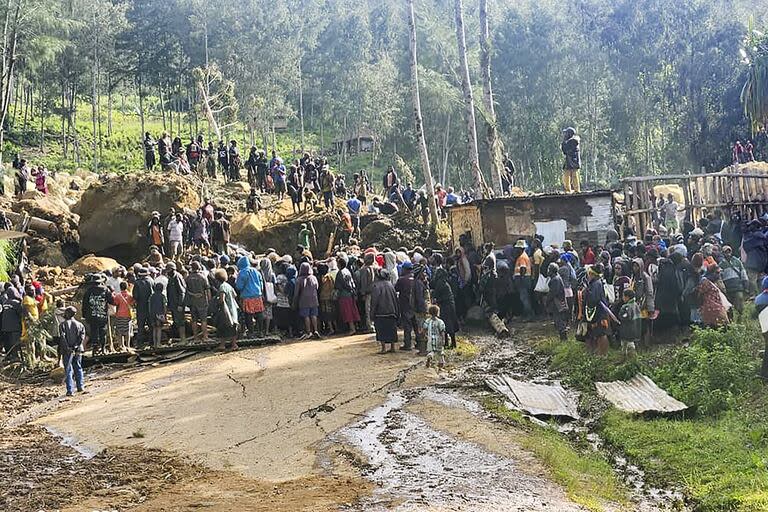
(418, 466)
(315, 426)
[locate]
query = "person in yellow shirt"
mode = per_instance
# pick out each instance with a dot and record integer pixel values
(30, 317)
(522, 278)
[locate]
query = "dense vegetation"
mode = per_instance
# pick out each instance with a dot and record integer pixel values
(717, 452)
(651, 85)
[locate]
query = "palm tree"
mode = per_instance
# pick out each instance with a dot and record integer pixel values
(754, 94)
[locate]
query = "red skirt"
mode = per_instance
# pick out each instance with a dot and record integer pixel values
(348, 310)
(253, 305)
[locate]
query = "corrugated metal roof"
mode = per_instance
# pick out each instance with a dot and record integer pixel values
(543, 195)
(536, 399)
(637, 395)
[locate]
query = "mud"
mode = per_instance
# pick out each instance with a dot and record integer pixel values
(417, 466)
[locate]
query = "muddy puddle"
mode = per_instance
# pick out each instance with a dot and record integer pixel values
(417, 467)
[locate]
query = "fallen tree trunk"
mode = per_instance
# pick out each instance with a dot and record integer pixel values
(37, 224)
(129, 357)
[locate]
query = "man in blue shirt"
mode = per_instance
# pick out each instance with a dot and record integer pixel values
(409, 196)
(353, 207)
(451, 197)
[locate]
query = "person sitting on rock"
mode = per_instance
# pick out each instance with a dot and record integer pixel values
(385, 207)
(155, 258)
(310, 199)
(253, 203)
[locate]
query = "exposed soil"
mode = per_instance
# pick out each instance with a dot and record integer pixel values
(316, 426)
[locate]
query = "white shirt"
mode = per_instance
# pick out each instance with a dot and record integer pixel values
(671, 210)
(175, 231)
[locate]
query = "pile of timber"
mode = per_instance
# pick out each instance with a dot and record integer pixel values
(170, 353)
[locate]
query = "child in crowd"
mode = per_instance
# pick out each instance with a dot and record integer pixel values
(631, 323)
(435, 330)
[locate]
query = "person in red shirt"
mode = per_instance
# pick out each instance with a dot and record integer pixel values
(749, 152)
(345, 225)
(123, 303)
(587, 253)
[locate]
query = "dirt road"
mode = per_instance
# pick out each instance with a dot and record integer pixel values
(304, 426)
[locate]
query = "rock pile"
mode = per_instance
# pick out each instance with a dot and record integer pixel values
(114, 214)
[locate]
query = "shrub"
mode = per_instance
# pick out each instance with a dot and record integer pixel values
(713, 373)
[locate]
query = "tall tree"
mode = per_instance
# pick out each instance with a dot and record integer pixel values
(469, 101)
(492, 136)
(754, 94)
(217, 99)
(419, 122)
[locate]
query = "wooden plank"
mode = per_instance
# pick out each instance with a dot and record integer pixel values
(673, 177)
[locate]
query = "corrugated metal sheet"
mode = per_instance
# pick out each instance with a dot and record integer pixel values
(637, 395)
(536, 399)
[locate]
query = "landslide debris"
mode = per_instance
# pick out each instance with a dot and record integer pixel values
(114, 213)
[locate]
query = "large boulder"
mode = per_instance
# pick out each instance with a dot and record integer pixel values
(114, 213)
(246, 227)
(90, 263)
(52, 209)
(376, 228)
(46, 253)
(257, 235)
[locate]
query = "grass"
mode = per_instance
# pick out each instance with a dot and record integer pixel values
(586, 475)
(718, 452)
(465, 349)
(721, 462)
(7, 257)
(138, 434)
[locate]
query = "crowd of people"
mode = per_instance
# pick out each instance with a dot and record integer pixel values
(195, 286)
(627, 291)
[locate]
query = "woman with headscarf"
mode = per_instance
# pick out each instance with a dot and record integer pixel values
(328, 310)
(306, 302)
(714, 311)
(384, 310)
(227, 320)
(621, 281)
(594, 311)
(390, 264)
(443, 295)
(667, 294)
(281, 310)
(268, 275)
